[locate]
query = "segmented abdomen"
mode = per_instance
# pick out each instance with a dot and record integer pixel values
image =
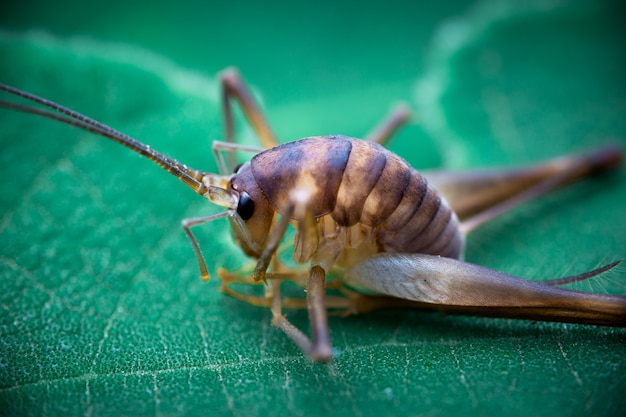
(358, 182)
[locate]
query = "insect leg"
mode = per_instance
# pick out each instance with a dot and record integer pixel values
(563, 171)
(479, 196)
(237, 223)
(306, 239)
(272, 298)
(319, 348)
(217, 146)
(306, 243)
(233, 86)
(187, 225)
(278, 231)
(250, 299)
(398, 116)
(454, 286)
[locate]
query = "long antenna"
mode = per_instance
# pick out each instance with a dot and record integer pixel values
(191, 177)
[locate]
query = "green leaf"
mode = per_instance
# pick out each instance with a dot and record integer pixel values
(103, 311)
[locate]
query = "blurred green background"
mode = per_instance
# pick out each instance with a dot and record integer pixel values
(103, 312)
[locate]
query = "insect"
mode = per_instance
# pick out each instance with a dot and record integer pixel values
(366, 223)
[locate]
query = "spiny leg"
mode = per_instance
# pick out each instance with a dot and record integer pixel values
(344, 302)
(318, 348)
(250, 299)
(398, 116)
(305, 247)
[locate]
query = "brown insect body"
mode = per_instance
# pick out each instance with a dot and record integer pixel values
(362, 212)
(368, 199)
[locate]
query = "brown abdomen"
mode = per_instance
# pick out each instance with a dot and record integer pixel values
(355, 181)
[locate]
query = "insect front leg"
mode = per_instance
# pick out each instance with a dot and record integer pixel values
(307, 239)
(187, 225)
(237, 223)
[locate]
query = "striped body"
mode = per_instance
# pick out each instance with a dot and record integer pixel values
(383, 203)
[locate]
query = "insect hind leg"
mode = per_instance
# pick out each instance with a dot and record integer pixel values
(481, 195)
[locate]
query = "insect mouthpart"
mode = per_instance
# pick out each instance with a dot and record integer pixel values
(222, 197)
(212, 180)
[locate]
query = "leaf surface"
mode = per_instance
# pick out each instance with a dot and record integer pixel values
(103, 312)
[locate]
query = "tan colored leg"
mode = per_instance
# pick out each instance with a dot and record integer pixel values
(219, 148)
(272, 298)
(238, 223)
(250, 299)
(187, 225)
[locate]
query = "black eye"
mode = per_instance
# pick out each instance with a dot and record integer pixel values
(245, 208)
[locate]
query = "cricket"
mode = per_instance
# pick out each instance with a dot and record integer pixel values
(370, 231)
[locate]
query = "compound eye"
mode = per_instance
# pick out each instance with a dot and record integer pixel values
(245, 208)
